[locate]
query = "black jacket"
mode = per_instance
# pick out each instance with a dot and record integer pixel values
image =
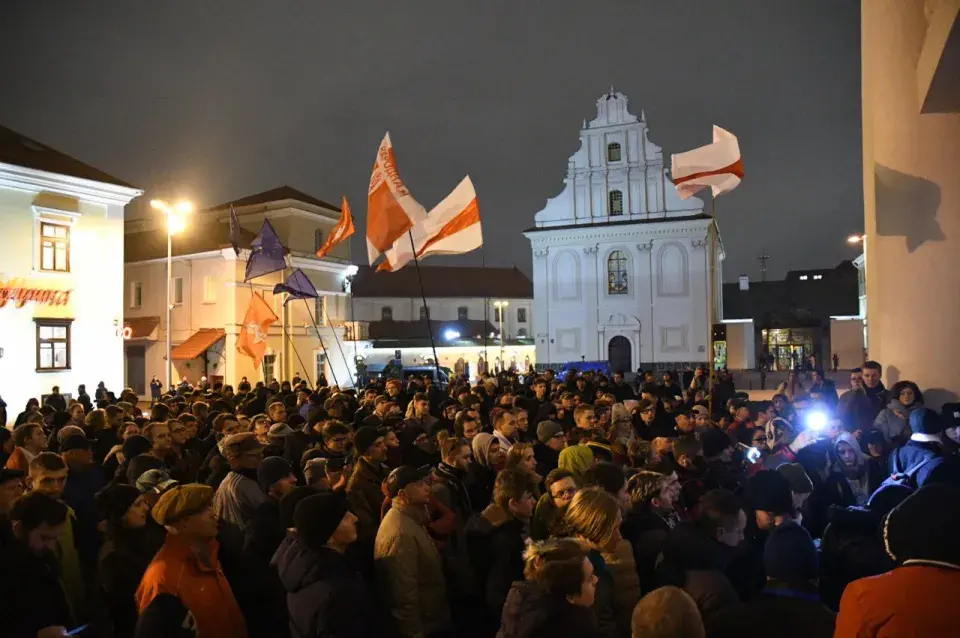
(265, 533)
(781, 612)
(325, 595)
(31, 593)
(547, 458)
(531, 613)
(851, 548)
(124, 558)
(647, 533)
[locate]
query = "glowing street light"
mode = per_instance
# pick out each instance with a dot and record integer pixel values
(176, 223)
(856, 239)
(450, 334)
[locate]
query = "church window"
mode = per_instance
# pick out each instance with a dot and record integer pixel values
(613, 152)
(617, 273)
(616, 202)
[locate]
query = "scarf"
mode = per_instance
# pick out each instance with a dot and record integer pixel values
(454, 478)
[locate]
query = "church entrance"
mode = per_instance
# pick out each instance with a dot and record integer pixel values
(618, 354)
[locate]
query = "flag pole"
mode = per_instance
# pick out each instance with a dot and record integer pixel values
(711, 296)
(486, 311)
(322, 347)
(423, 296)
(336, 338)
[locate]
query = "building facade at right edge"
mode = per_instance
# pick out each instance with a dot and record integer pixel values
(620, 262)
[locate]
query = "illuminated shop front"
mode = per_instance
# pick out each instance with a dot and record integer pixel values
(61, 273)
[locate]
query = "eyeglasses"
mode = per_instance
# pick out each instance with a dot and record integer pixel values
(570, 491)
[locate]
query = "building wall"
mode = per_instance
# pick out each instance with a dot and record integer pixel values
(741, 345)
(446, 309)
(95, 282)
(911, 204)
(846, 341)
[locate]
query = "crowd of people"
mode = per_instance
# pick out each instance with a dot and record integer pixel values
(518, 506)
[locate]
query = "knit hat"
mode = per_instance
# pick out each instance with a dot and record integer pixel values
(769, 491)
(924, 526)
(926, 421)
(114, 501)
(546, 430)
(364, 439)
(278, 432)
(317, 517)
(181, 502)
(288, 504)
(790, 555)
(140, 464)
(714, 441)
(136, 445)
(797, 478)
(271, 470)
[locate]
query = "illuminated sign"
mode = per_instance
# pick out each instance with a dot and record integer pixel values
(20, 294)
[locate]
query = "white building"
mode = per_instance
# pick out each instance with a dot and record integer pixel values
(620, 262)
(61, 268)
(210, 299)
(464, 306)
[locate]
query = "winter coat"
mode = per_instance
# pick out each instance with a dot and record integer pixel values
(626, 584)
(78, 492)
(776, 611)
(31, 593)
(531, 613)
(365, 497)
(912, 600)
(895, 428)
(833, 490)
(547, 458)
(495, 542)
(446, 486)
(479, 483)
(235, 503)
(326, 597)
(858, 409)
(603, 608)
(410, 573)
(912, 454)
(264, 534)
(647, 533)
(123, 560)
(851, 548)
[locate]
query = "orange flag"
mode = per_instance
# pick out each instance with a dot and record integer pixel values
(391, 209)
(341, 231)
(252, 340)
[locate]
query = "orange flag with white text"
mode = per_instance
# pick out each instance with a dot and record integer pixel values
(341, 231)
(391, 209)
(252, 340)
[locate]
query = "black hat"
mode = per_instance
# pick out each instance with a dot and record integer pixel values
(790, 555)
(271, 470)
(714, 441)
(139, 464)
(924, 526)
(10, 475)
(317, 517)
(75, 442)
(404, 476)
(364, 439)
(288, 504)
(136, 445)
(114, 501)
(769, 491)
(926, 421)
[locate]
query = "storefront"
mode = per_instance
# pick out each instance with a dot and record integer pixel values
(61, 273)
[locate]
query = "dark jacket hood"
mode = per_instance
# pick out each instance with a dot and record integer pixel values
(527, 609)
(299, 566)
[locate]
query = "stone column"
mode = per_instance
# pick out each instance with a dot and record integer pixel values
(911, 184)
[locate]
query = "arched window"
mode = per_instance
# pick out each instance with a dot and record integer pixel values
(617, 277)
(613, 152)
(317, 240)
(616, 202)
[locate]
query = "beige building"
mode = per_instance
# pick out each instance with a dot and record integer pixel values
(210, 299)
(60, 272)
(911, 185)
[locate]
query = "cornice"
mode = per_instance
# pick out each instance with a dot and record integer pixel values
(35, 181)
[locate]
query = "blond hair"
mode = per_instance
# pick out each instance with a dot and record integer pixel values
(515, 455)
(593, 514)
(665, 613)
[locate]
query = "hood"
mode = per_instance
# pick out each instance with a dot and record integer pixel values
(495, 515)
(528, 608)
(896, 406)
(299, 566)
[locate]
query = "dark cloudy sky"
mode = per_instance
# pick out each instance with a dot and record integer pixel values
(219, 99)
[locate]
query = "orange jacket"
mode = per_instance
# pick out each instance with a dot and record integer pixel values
(202, 589)
(913, 600)
(18, 461)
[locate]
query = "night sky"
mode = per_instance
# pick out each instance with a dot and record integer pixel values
(219, 99)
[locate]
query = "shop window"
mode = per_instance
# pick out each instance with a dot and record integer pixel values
(54, 247)
(53, 344)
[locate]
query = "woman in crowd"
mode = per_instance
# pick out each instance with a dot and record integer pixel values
(905, 398)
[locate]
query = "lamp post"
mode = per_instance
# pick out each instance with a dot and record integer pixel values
(501, 307)
(176, 222)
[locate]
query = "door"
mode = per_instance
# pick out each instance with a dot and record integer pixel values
(137, 369)
(619, 355)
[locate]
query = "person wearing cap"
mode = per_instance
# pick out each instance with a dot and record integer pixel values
(188, 565)
(918, 596)
(239, 495)
(265, 532)
(326, 595)
(364, 492)
(125, 554)
(925, 442)
(407, 560)
(550, 442)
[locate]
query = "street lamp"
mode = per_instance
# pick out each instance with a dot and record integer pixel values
(501, 307)
(176, 223)
(856, 239)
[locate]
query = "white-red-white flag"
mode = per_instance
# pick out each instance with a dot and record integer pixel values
(451, 228)
(391, 209)
(716, 165)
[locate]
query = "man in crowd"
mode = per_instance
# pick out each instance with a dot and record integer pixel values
(505, 430)
(30, 441)
(364, 491)
(421, 413)
(239, 495)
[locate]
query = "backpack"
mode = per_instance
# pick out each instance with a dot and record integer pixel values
(908, 479)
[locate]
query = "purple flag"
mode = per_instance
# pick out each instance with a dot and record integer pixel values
(266, 254)
(234, 231)
(297, 286)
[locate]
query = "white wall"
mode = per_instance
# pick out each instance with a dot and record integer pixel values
(846, 341)
(741, 345)
(446, 309)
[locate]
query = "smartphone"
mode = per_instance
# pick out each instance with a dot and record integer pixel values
(77, 631)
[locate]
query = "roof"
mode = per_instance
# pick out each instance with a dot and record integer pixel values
(21, 150)
(443, 281)
(141, 327)
(468, 329)
(197, 344)
(275, 195)
(152, 244)
(626, 222)
(795, 302)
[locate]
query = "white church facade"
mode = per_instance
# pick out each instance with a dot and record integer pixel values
(620, 262)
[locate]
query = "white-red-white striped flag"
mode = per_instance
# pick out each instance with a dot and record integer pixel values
(716, 165)
(391, 209)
